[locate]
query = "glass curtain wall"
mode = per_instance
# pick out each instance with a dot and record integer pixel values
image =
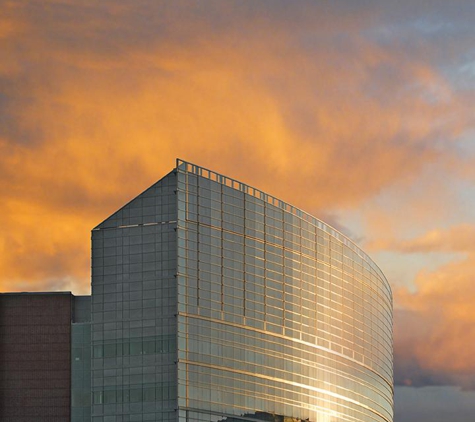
(134, 374)
(280, 317)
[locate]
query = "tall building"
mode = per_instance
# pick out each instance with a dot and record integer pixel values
(213, 301)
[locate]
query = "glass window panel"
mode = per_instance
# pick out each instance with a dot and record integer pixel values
(136, 347)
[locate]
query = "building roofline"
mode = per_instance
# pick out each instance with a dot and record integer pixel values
(185, 166)
(62, 293)
(97, 227)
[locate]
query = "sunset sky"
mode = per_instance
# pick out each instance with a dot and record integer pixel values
(359, 112)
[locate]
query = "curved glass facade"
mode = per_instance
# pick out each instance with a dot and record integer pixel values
(280, 317)
(213, 301)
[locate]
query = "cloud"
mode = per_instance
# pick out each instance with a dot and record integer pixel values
(460, 238)
(99, 98)
(437, 349)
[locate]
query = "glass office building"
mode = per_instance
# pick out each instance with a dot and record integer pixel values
(213, 301)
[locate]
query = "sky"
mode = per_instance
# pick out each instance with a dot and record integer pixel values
(359, 112)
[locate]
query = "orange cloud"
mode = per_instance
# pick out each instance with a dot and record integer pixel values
(435, 323)
(99, 101)
(459, 238)
(439, 344)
